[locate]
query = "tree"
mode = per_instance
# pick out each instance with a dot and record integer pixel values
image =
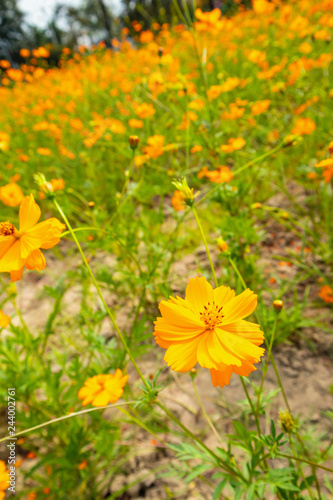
(11, 28)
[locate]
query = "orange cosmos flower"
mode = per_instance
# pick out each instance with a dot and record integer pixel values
(21, 248)
(134, 123)
(44, 151)
(326, 293)
(304, 126)
(103, 389)
(196, 149)
(4, 320)
(4, 141)
(11, 194)
(155, 146)
(260, 106)
(327, 165)
(177, 201)
(220, 176)
(208, 327)
(234, 145)
(3, 479)
(145, 110)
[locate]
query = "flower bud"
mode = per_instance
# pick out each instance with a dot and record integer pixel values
(91, 204)
(160, 51)
(44, 186)
(278, 305)
(221, 244)
(287, 422)
(186, 192)
(133, 141)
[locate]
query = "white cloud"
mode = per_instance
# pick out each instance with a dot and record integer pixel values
(39, 12)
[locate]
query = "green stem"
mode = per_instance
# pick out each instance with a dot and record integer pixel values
(210, 423)
(206, 245)
(109, 313)
(266, 363)
(259, 158)
(300, 469)
(70, 415)
(314, 465)
(138, 422)
(235, 268)
(128, 176)
(251, 404)
(221, 462)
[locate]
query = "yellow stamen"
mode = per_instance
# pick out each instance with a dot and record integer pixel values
(211, 315)
(6, 228)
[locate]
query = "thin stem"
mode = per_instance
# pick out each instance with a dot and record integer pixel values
(280, 383)
(109, 313)
(235, 268)
(313, 464)
(70, 415)
(251, 404)
(266, 363)
(206, 245)
(138, 422)
(259, 158)
(221, 462)
(300, 469)
(128, 176)
(207, 417)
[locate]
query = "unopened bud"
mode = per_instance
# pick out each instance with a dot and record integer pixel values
(221, 244)
(186, 192)
(286, 421)
(91, 204)
(45, 186)
(193, 373)
(133, 141)
(160, 51)
(278, 305)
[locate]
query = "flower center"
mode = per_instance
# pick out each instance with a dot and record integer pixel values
(6, 228)
(211, 315)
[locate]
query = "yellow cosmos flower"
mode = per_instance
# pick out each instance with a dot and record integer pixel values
(103, 389)
(11, 194)
(208, 327)
(3, 479)
(4, 320)
(19, 249)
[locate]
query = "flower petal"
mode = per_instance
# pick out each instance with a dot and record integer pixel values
(167, 331)
(178, 315)
(35, 261)
(239, 346)
(53, 238)
(12, 260)
(247, 330)
(212, 353)
(29, 213)
(239, 307)
(198, 293)
(223, 294)
(182, 356)
(101, 399)
(5, 243)
(221, 377)
(16, 275)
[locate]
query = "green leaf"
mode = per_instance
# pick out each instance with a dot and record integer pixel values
(218, 490)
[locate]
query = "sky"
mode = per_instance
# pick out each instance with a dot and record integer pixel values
(38, 12)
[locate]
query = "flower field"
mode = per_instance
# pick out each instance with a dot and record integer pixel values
(166, 260)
